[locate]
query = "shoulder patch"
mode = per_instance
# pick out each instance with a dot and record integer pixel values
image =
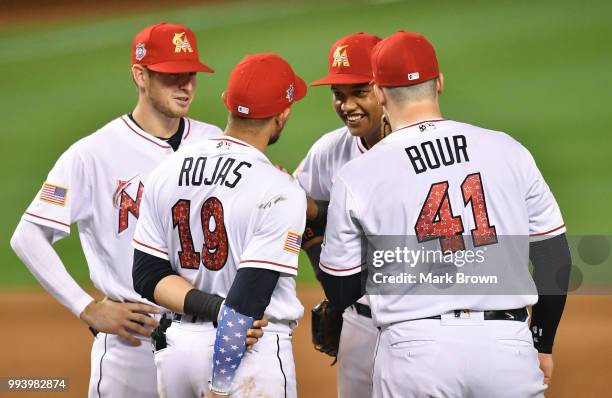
(53, 194)
(293, 242)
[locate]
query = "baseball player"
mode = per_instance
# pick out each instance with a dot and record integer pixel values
(450, 186)
(350, 74)
(221, 226)
(97, 184)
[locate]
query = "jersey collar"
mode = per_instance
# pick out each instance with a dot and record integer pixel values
(242, 144)
(404, 128)
(134, 128)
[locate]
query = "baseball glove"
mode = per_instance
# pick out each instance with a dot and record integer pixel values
(326, 328)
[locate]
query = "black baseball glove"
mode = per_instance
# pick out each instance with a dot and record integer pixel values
(326, 328)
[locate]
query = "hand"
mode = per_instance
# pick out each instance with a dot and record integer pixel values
(312, 209)
(255, 332)
(122, 319)
(546, 364)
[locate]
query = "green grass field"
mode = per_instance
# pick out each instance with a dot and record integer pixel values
(537, 70)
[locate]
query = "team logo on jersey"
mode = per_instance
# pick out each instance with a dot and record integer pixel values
(127, 203)
(293, 242)
(340, 57)
(181, 43)
(141, 51)
(53, 194)
(224, 145)
(290, 92)
(121, 186)
(426, 126)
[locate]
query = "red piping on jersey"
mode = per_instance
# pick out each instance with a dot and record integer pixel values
(150, 247)
(228, 139)
(547, 232)
(421, 122)
(340, 270)
(188, 128)
(148, 139)
(47, 219)
(268, 262)
(362, 150)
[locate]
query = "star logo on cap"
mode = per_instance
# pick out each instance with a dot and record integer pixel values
(181, 43)
(141, 51)
(290, 92)
(340, 57)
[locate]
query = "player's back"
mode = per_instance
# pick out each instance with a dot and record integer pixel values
(213, 200)
(483, 176)
(453, 186)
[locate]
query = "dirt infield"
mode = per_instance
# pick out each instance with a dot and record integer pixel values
(42, 339)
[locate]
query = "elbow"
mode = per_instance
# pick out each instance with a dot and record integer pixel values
(17, 241)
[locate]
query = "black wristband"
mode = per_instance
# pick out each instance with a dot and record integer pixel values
(204, 306)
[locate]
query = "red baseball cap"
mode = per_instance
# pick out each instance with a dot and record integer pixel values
(404, 59)
(167, 48)
(262, 85)
(349, 60)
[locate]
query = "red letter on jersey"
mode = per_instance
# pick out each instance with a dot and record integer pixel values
(129, 206)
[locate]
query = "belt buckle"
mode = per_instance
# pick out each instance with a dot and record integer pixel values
(463, 317)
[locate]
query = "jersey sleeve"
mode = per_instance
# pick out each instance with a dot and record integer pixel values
(309, 175)
(342, 253)
(545, 220)
(277, 233)
(149, 236)
(65, 196)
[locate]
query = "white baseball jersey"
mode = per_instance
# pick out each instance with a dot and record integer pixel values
(219, 206)
(432, 178)
(98, 184)
(324, 159)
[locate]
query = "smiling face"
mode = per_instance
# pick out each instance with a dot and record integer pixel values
(357, 107)
(171, 94)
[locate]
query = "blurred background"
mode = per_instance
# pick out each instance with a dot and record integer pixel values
(538, 70)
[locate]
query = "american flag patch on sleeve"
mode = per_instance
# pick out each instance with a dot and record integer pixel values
(293, 242)
(53, 194)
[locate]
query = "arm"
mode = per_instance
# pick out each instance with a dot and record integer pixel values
(342, 258)
(247, 300)
(32, 244)
(316, 220)
(551, 261)
(155, 280)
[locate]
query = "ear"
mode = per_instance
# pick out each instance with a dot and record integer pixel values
(139, 74)
(223, 97)
(440, 84)
(380, 95)
(283, 117)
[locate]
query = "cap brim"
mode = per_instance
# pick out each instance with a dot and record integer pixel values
(300, 90)
(180, 67)
(339, 78)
